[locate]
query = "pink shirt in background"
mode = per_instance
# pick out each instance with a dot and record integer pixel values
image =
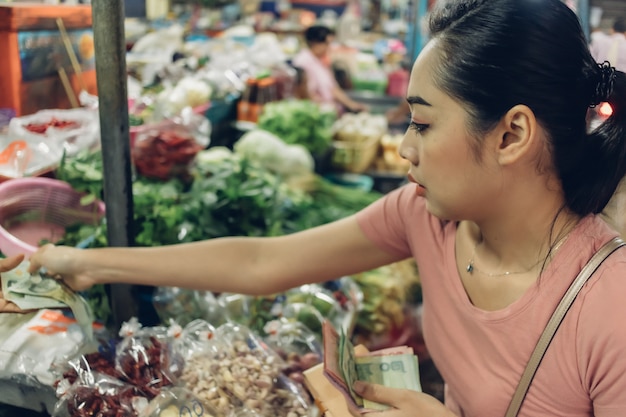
(610, 48)
(482, 354)
(320, 79)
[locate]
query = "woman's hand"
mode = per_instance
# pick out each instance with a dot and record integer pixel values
(7, 264)
(403, 402)
(357, 107)
(62, 262)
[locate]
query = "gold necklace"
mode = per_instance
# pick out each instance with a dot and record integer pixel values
(471, 265)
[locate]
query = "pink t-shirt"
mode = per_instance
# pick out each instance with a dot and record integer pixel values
(320, 79)
(482, 354)
(610, 48)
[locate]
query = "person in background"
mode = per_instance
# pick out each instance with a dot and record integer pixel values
(500, 215)
(321, 83)
(611, 47)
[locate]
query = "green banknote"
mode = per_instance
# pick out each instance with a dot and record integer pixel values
(34, 291)
(395, 367)
(394, 371)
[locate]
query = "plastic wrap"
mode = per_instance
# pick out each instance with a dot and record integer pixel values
(244, 366)
(166, 149)
(177, 402)
(99, 395)
(71, 130)
(185, 306)
(145, 359)
(296, 344)
(33, 348)
(197, 346)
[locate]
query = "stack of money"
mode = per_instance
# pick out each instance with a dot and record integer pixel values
(38, 291)
(395, 367)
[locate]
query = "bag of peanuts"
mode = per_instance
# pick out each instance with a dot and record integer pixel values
(237, 373)
(196, 345)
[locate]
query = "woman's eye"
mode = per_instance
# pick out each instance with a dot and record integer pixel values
(418, 127)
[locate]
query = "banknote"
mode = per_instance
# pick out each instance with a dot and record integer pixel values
(394, 371)
(395, 367)
(25, 301)
(36, 291)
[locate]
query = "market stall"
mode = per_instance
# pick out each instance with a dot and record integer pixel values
(193, 148)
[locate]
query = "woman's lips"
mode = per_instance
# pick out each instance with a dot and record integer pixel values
(420, 190)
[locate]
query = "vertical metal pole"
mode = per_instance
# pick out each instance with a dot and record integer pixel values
(418, 9)
(109, 40)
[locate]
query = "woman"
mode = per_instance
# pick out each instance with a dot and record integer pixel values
(501, 214)
(322, 86)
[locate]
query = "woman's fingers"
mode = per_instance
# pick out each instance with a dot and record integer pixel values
(7, 264)
(36, 258)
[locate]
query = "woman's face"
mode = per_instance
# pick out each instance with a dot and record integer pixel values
(456, 184)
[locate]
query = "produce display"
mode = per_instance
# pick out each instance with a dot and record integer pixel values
(234, 355)
(237, 371)
(299, 122)
(165, 153)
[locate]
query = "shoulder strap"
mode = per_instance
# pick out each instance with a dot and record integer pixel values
(555, 321)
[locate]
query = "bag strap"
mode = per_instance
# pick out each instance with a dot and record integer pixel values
(555, 321)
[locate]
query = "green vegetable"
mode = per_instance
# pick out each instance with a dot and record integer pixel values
(299, 122)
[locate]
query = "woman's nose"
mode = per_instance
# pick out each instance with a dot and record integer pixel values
(408, 151)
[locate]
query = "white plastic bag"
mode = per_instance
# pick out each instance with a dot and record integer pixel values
(73, 129)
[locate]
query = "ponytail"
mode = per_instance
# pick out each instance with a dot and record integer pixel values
(589, 189)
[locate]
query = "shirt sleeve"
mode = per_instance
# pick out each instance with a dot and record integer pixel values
(383, 222)
(601, 340)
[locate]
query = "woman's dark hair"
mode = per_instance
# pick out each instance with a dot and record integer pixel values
(500, 53)
(619, 25)
(317, 34)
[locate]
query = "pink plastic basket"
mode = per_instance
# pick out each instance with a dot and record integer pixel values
(37, 209)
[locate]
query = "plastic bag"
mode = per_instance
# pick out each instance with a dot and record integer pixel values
(20, 158)
(185, 306)
(72, 130)
(145, 358)
(337, 301)
(177, 402)
(166, 149)
(296, 344)
(197, 346)
(33, 348)
(188, 92)
(99, 395)
(252, 372)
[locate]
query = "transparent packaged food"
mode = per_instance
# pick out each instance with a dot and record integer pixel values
(99, 395)
(177, 402)
(252, 312)
(297, 345)
(197, 346)
(145, 358)
(246, 367)
(185, 305)
(337, 301)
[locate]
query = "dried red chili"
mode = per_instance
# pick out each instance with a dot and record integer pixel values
(41, 128)
(145, 366)
(86, 401)
(165, 154)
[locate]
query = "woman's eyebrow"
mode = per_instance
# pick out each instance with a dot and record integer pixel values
(417, 100)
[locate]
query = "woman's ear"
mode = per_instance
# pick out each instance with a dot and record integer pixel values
(517, 134)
